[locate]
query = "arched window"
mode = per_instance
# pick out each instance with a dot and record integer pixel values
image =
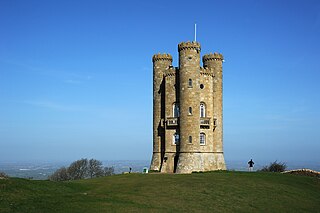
(202, 138)
(190, 82)
(190, 139)
(202, 110)
(190, 111)
(175, 110)
(176, 139)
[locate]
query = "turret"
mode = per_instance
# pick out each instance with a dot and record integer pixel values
(161, 62)
(189, 73)
(214, 62)
(210, 60)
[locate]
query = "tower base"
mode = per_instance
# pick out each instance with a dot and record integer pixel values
(156, 161)
(168, 162)
(200, 162)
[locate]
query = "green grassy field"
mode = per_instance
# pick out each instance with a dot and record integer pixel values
(201, 192)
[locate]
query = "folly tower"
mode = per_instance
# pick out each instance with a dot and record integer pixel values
(187, 112)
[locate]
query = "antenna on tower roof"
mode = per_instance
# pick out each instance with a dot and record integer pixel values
(195, 32)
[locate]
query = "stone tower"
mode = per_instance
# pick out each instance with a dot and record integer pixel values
(187, 112)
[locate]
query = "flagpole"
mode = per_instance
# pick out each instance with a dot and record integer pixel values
(195, 32)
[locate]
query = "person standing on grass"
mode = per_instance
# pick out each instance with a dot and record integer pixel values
(251, 163)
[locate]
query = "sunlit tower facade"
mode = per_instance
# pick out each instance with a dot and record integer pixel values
(187, 112)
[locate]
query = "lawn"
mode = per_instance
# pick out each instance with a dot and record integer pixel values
(199, 192)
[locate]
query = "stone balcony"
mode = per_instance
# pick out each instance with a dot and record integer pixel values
(172, 121)
(205, 122)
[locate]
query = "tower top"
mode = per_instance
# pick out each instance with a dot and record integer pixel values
(189, 45)
(162, 57)
(212, 57)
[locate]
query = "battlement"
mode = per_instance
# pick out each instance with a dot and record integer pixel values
(189, 45)
(212, 57)
(171, 71)
(161, 57)
(206, 71)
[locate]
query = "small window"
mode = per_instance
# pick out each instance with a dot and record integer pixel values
(201, 86)
(190, 111)
(176, 139)
(176, 110)
(190, 139)
(190, 83)
(202, 138)
(202, 110)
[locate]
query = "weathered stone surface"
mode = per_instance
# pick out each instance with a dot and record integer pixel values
(188, 87)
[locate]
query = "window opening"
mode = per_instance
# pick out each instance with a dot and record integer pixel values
(176, 139)
(176, 110)
(202, 138)
(190, 83)
(202, 110)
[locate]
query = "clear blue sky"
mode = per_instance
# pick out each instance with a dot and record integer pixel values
(76, 76)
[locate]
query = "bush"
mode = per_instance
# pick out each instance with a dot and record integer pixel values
(78, 169)
(3, 175)
(108, 171)
(274, 167)
(95, 168)
(81, 169)
(60, 175)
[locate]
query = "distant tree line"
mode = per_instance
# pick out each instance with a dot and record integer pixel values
(82, 169)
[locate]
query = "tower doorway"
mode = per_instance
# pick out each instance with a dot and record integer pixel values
(176, 157)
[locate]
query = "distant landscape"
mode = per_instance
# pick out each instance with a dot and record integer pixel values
(41, 170)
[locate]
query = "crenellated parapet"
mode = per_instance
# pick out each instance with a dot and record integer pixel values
(189, 46)
(162, 57)
(212, 57)
(170, 72)
(206, 71)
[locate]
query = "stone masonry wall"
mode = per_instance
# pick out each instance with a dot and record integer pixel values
(214, 63)
(189, 74)
(170, 100)
(206, 97)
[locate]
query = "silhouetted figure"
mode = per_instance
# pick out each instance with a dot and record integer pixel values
(130, 169)
(251, 163)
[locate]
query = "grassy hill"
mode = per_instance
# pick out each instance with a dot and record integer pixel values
(202, 192)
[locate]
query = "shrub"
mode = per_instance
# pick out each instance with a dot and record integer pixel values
(81, 169)
(108, 171)
(78, 169)
(60, 175)
(95, 168)
(3, 175)
(274, 167)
